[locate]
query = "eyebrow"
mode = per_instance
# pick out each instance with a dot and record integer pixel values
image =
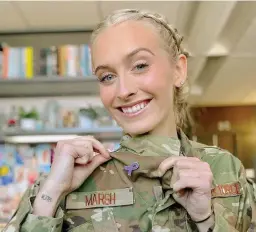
(128, 56)
(134, 52)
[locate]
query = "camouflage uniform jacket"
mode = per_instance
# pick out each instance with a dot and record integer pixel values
(114, 199)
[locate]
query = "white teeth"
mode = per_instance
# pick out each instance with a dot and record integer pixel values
(134, 109)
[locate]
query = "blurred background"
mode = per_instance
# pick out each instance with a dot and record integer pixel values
(48, 93)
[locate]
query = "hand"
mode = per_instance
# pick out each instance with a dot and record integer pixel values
(74, 161)
(191, 182)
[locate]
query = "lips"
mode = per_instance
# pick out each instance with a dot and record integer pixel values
(135, 108)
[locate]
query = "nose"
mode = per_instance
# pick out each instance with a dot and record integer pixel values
(127, 87)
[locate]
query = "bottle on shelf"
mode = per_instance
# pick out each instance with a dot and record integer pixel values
(51, 115)
(13, 118)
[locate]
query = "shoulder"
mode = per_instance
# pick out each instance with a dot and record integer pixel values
(221, 161)
(214, 153)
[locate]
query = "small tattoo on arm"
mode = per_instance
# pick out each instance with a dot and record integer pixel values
(46, 198)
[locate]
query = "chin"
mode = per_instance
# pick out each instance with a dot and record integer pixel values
(135, 129)
(141, 125)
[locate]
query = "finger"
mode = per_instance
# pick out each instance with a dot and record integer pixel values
(193, 164)
(86, 159)
(80, 142)
(175, 176)
(168, 164)
(83, 154)
(187, 174)
(65, 147)
(92, 145)
(87, 145)
(180, 174)
(97, 146)
(87, 169)
(98, 160)
(193, 183)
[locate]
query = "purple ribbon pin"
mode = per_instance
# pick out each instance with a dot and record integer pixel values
(132, 167)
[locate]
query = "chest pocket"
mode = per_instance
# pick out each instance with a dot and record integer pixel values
(85, 227)
(96, 219)
(102, 220)
(74, 223)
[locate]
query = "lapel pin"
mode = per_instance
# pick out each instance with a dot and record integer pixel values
(134, 166)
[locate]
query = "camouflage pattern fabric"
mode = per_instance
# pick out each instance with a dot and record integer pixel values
(114, 200)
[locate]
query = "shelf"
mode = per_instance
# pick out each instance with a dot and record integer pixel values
(48, 86)
(52, 136)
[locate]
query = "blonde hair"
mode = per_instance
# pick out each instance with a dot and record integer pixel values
(173, 45)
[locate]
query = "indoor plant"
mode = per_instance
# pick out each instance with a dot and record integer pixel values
(28, 119)
(87, 117)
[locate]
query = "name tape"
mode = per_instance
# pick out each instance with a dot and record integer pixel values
(115, 197)
(227, 190)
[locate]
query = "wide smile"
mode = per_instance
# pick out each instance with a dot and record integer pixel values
(136, 109)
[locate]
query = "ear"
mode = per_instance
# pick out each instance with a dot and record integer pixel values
(180, 71)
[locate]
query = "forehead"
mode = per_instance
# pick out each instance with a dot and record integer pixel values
(120, 39)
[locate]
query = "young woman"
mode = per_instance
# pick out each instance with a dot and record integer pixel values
(157, 180)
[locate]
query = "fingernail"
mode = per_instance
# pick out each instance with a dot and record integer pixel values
(94, 154)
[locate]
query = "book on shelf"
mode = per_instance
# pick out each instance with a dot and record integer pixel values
(48, 61)
(17, 62)
(74, 60)
(64, 61)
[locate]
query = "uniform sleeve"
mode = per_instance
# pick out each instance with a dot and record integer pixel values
(245, 219)
(24, 221)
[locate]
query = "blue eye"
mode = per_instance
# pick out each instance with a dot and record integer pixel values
(106, 78)
(141, 66)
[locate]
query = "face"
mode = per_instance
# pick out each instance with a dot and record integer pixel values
(137, 77)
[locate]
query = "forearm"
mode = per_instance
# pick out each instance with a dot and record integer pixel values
(25, 221)
(46, 202)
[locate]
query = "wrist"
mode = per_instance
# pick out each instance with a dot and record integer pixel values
(45, 204)
(207, 224)
(47, 201)
(53, 188)
(202, 219)
(198, 215)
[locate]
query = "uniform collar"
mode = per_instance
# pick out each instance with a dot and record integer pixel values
(151, 145)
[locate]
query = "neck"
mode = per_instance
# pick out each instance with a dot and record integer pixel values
(168, 130)
(165, 128)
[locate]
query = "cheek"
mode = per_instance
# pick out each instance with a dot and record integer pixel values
(158, 82)
(107, 96)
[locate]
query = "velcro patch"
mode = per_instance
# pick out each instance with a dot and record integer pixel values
(114, 197)
(227, 190)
